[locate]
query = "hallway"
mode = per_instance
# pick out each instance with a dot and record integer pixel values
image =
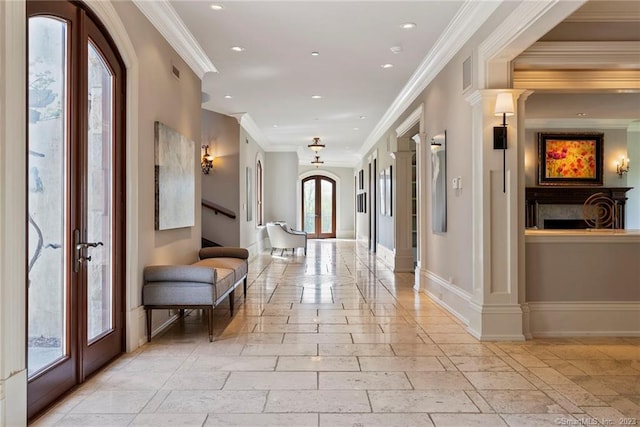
(336, 339)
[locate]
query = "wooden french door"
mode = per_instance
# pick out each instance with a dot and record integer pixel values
(319, 207)
(76, 200)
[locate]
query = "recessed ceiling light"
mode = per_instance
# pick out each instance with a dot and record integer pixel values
(356, 128)
(363, 117)
(216, 7)
(581, 114)
(275, 126)
(387, 65)
(409, 25)
(315, 53)
(316, 96)
(237, 49)
(228, 96)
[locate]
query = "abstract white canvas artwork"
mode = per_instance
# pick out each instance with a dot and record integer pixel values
(175, 173)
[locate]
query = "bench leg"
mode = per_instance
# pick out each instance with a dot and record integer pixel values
(282, 252)
(244, 285)
(210, 321)
(148, 313)
(232, 296)
(272, 251)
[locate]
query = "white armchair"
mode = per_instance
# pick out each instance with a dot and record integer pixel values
(283, 237)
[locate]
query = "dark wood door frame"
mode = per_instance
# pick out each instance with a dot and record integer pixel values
(318, 234)
(83, 357)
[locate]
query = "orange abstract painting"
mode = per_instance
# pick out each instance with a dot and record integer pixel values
(567, 158)
(571, 159)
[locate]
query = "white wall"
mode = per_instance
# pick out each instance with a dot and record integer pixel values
(13, 373)
(222, 185)
(251, 236)
(633, 180)
(345, 196)
(178, 106)
(281, 177)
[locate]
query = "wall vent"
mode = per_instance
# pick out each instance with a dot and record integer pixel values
(175, 71)
(466, 74)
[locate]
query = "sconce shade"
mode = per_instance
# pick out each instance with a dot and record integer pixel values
(316, 145)
(206, 162)
(504, 104)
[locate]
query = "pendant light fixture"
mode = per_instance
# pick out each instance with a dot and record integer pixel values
(316, 145)
(317, 162)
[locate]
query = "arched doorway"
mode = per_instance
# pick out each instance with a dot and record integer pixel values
(319, 207)
(76, 206)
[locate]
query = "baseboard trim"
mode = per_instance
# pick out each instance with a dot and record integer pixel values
(387, 256)
(573, 319)
(446, 294)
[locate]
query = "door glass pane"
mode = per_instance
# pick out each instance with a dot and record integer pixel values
(326, 203)
(47, 209)
(309, 201)
(99, 197)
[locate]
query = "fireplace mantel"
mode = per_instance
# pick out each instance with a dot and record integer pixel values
(570, 195)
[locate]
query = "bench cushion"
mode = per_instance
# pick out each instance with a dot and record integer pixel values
(240, 267)
(223, 251)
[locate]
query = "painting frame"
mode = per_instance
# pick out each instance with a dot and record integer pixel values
(175, 177)
(570, 158)
(439, 183)
(249, 192)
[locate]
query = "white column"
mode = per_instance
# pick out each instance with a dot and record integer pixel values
(13, 373)
(495, 312)
(402, 213)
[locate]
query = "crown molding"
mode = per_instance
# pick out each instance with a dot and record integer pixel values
(246, 122)
(167, 21)
(634, 126)
(469, 18)
(583, 123)
(592, 55)
(572, 80)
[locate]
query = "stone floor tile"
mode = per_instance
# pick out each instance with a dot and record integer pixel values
(498, 381)
(317, 401)
(272, 381)
(522, 402)
(363, 381)
(467, 420)
(400, 363)
(375, 420)
(198, 401)
(262, 420)
(439, 381)
(317, 363)
(421, 401)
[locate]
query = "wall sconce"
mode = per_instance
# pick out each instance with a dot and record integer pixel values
(317, 162)
(622, 167)
(207, 160)
(316, 145)
(504, 107)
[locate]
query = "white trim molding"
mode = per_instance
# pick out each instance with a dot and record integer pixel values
(470, 17)
(411, 121)
(447, 295)
(577, 54)
(571, 80)
(592, 318)
(167, 21)
(499, 322)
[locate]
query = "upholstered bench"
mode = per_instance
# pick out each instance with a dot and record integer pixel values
(202, 285)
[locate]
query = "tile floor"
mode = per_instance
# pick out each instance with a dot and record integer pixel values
(336, 339)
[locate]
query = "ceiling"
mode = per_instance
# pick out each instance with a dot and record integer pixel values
(270, 83)
(275, 77)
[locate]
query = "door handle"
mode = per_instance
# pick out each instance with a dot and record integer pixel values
(79, 257)
(82, 245)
